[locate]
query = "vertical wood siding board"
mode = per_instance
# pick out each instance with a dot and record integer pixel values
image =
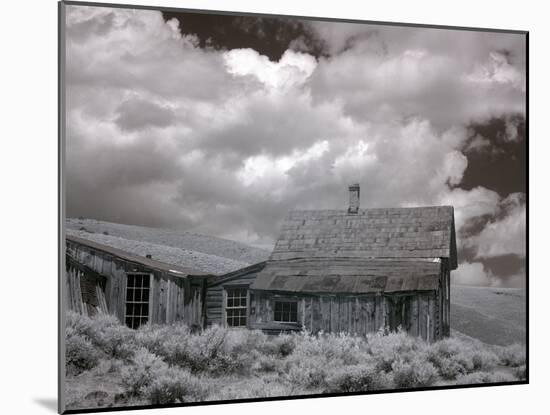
(376, 313)
(162, 301)
(169, 300)
(426, 313)
(69, 290)
(306, 315)
(333, 314)
(380, 310)
(314, 316)
(176, 301)
(433, 317)
(70, 296)
(351, 315)
(154, 299)
(78, 295)
(180, 302)
(387, 311)
(365, 312)
(324, 309)
(341, 313)
(368, 310)
(309, 317)
(449, 300)
(173, 300)
(414, 316)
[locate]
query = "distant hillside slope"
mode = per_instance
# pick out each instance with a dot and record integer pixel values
(205, 253)
(492, 315)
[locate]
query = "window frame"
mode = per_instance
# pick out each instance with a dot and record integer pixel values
(293, 302)
(226, 289)
(148, 302)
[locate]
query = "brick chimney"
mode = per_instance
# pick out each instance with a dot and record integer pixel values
(353, 198)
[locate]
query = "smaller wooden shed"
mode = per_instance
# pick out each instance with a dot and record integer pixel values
(138, 290)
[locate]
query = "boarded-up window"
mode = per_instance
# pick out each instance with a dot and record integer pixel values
(235, 307)
(137, 300)
(286, 311)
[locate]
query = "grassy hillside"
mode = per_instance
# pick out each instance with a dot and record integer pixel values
(492, 315)
(202, 252)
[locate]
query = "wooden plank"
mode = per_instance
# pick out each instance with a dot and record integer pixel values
(414, 316)
(306, 311)
(360, 316)
(432, 319)
(325, 312)
(334, 326)
(162, 301)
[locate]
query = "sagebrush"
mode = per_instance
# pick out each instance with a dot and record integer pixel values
(170, 364)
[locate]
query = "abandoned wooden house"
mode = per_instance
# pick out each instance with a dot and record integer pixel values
(136, 289)
(355, 271)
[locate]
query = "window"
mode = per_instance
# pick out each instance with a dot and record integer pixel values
(235, 309)
(137, 299)
(286, 311)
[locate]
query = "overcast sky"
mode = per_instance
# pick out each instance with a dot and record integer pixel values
(221, 124)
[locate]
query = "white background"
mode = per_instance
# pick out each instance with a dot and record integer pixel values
(28, 237)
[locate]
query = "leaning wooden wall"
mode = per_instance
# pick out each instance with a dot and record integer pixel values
(172, 299)
(85, 290)
(354, 314)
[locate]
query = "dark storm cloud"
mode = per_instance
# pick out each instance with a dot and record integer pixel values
(270, 37)
(502, 165)
(221, 124)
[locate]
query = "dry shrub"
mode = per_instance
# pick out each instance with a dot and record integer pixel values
(484, 377)
(284, 344)
(254, 388)
(268, 363)
(144, 367)
(346, 348)
(175, 386)
(453, 357)
(359, 378)
(413, 373)
(513, 356)
(215, 350)
(386, 348)
(309, 373)
(105, 332)
(80, 354)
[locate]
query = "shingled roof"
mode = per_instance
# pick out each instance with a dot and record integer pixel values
(348, 275)
(420, 232)
(373, 250)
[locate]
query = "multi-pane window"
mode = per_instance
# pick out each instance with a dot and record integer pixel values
(137, 299)
(235, 307)
(286, 311)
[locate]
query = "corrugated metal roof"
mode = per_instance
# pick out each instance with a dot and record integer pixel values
(148, 262)
(348, 276)
(419, 232)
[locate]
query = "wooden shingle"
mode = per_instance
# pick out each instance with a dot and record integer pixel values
(420, 232)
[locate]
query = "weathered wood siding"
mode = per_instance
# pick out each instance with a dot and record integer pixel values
(85, 290)
(214, 294)
(354, 314)
(172, 299)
